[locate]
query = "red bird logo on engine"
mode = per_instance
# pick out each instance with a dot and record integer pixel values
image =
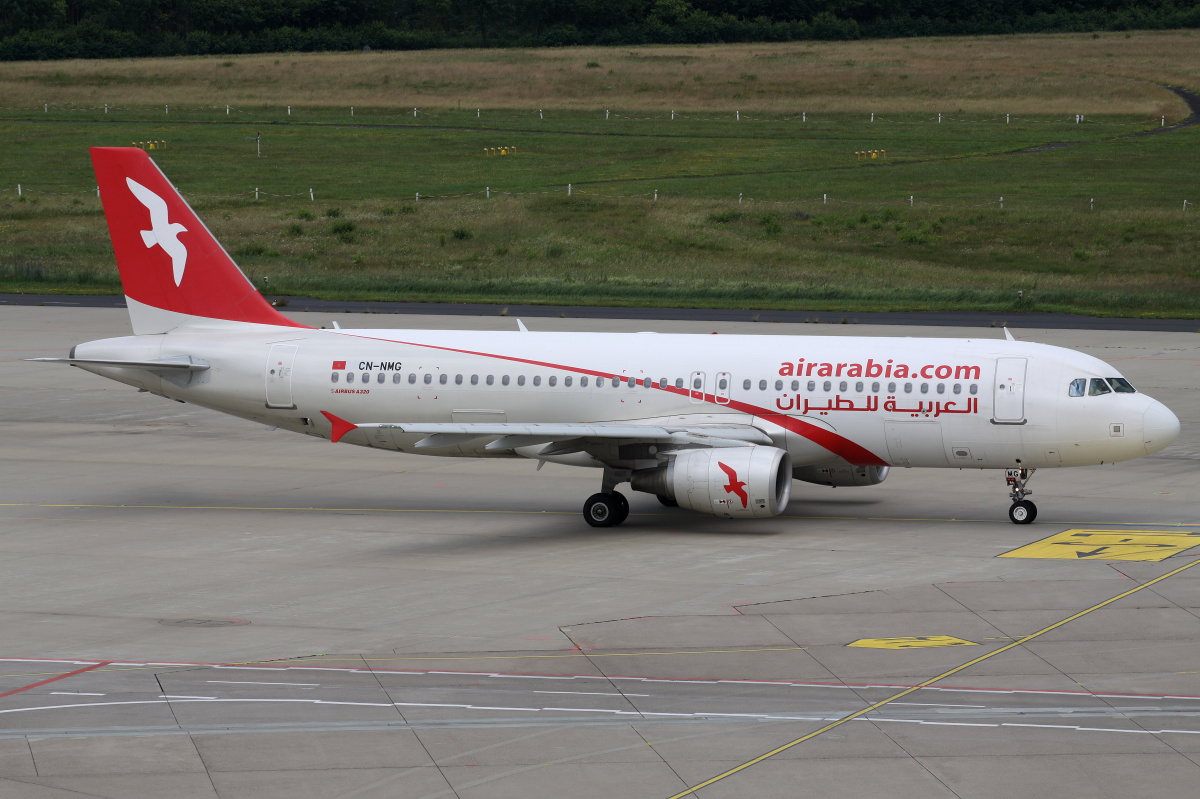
(734, 486)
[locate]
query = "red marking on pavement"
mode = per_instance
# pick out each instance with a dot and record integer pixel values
(55, 679)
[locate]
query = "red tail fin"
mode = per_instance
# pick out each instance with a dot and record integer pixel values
(172, 268)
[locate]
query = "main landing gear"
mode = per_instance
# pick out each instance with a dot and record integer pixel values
(609, 507)
(606, 510)
(1022, 511)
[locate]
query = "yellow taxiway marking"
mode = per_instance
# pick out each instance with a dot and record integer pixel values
(911, 642)
(1085, 544)
(926, 683)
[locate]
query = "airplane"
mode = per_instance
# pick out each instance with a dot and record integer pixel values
(718, 424)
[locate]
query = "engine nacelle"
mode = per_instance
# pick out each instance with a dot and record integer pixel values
(841, 475)
(736, 482)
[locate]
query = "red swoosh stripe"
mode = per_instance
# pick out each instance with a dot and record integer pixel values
(841, 446)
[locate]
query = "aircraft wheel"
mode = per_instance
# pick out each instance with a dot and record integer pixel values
(601, 510)
(667, 501)
(622, 507)
(1023, 512)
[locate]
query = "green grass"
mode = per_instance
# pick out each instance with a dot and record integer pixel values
(366, 235)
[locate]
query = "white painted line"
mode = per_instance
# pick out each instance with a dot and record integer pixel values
(247, 682)
(926, 704)
(72, 693)
(172, 696)
(588, 693)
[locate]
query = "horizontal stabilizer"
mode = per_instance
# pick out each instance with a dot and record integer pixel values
(180, 363)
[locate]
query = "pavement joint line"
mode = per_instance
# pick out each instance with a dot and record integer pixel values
(557, 513)
(876, 705)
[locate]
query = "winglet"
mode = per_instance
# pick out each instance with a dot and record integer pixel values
(340, 426)
(1008, 335)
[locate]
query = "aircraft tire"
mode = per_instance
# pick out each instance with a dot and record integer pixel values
(601, 510)
(1023, 512)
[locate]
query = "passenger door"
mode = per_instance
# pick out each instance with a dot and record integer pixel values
(1008, 399)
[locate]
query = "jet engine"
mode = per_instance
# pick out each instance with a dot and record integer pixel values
(735, 482)
(841, 475)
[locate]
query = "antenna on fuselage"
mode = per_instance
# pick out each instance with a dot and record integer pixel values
(521, 326)
(1008, 335)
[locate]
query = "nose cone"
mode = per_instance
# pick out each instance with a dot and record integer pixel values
(1160, 427)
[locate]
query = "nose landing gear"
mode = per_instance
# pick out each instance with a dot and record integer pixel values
(1022, 511)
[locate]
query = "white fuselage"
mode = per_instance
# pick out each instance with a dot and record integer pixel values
(979, 403)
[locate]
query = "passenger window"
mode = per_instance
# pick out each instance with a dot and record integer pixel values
(779, 385)
(428, 378)
(957, 388)
(474, 379)
(795, 385)
(553, 381)
(349, 377)
(941, 388)
(662, 383)
(457, 380)
(583, 382)
(696, 384)
(812, 385)
(520, 380)
(762, 385)
(924, 388)
(1077, 387)
(908, 388)
(396, 377)
(842, 386)
(334, 378)
(745, 385)
(442, 378)
(974, 389)
(504, 380)
(891, 388)
(874, 388)
(1098, 387)
(412, 377)
(858, 387)
(722, 384)
(537, 380)
(567, 381)
(679, 382)
(1121, 385)
(828, 386)
(490, 379)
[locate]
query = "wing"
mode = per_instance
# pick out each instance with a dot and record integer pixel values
(156, 205)
(557, 438)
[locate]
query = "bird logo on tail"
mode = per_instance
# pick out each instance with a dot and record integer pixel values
(734, 486)
(162, 232)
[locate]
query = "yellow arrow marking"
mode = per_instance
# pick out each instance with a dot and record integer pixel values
(1085, 544)
(911, 642)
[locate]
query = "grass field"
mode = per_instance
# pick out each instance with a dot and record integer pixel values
(1131, 252)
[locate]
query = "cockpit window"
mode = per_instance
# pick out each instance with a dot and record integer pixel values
(1098, 387)
(1078, 386)
(1121, 385)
